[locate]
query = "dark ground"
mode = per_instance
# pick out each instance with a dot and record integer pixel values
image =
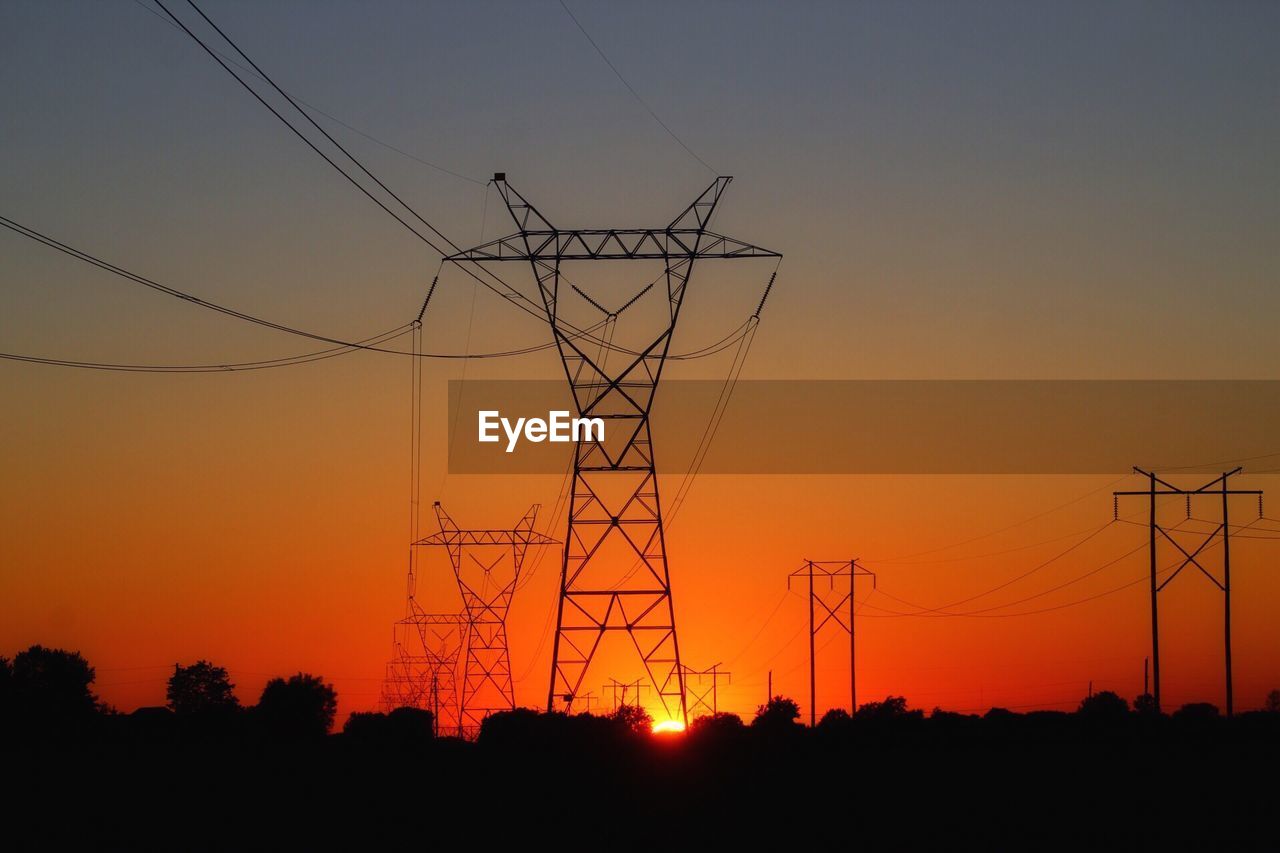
(1005, 782)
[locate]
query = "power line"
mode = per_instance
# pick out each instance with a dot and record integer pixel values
(227, 367)
(152, 284)
(511, 294)
(313, 108)
(632, 89)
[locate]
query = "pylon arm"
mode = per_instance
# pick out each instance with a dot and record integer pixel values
(620, 244)
(487, 537)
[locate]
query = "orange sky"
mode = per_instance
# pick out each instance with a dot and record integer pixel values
(1028, 192)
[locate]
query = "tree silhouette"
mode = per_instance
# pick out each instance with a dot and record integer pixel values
(633, 717)
(721, 722)
(52, 685)
(892, 708)
(6, 685)
(1194, 712)
(778, 713)
(1145, 704)
(201, 688)
(1271, 705)
(835, 718)
(1105, 705)
(301, 706)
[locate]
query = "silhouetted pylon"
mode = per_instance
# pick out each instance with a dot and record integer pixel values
(486, 564)
(614, 575)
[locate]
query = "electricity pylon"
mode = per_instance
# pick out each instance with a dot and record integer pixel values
(486, 564)
(702, 687)
(1216, 487)
(832, 601)
(614, 575)
(422, 672)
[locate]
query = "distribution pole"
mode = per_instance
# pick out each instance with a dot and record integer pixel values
(704, 697)
(833, 611)
(1226, 596)
(1155, 608)
(1159, 487)
(813, 689)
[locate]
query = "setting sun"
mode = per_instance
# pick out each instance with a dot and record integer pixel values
(666, 727)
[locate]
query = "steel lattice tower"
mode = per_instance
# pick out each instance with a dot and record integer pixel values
(487, 584)
(422, 672)
(615, 515)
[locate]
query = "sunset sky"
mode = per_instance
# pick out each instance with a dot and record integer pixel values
(987, 190)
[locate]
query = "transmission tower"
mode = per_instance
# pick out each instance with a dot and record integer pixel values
(486, 564)
(423, 666)
(615, 516)
(833, 602)
(702, 687)
(1216, 487)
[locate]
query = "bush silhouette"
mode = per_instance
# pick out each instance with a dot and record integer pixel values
(401, 727)
(835, 719)
(892, 708)
(779, 713)
(52, 685)
(1145, 704)
(1105, 705)
(301, 706)
(721, 723)
(6, 685)
(633, 718)
(201, 688)
(1196, 712)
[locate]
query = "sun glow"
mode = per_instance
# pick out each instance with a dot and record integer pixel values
(665, 727)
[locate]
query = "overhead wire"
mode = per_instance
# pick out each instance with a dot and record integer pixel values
(632, 89)
(318, 111)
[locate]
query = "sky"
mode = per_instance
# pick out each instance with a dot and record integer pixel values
(979, 190)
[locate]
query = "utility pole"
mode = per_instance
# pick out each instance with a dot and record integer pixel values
(616, 687)
(704, 696)
(831, 571)
(615, 514)
(1158, 487)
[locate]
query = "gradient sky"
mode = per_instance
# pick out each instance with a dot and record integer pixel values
(978, 190)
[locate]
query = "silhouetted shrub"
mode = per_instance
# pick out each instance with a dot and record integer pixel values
(836, 719)
(403, 727)
(720, 724)
(778, 713)
(52, 686)
(633, 718)
(516, 727)
(1197, 712)
(201, 688)
(1103, 706)
(301, 706)
(6, 686)
(1145, 704)
(892, 708)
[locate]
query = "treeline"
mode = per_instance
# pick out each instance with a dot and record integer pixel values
(50, 692)
(205, 771)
